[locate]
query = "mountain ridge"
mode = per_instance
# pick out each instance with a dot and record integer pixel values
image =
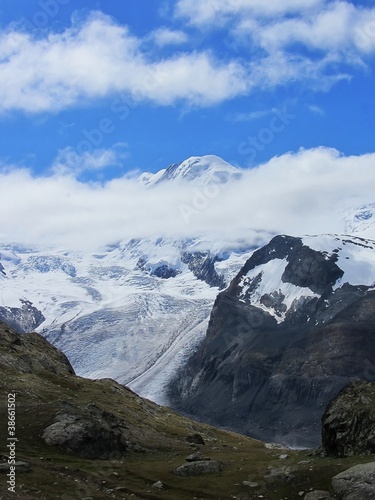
(283, 339)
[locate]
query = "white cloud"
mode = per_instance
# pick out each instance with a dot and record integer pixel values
(69, 161)
(281, 68)
(166, 36)
(316, 109)
(297, 193)
(98, 58)
(339, 28)
(334, 29)
(292, 40)
(212, 11)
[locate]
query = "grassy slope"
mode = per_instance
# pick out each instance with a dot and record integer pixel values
(160, 431)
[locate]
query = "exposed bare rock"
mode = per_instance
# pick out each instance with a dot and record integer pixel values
(88, 432)
(348, 424)
(317, 495)
(356, 483)
(198, 468)
(291, 330)
(30, 353)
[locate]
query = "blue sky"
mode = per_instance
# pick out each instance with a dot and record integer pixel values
(141, 84)
(94, 92)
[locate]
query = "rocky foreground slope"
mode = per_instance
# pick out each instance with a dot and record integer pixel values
(84, 439)
(294, 327)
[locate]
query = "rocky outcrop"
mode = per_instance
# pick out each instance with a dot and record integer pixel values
(202, 265)
(22, 319)
(31, 353)
(348, 424)
(356, 483)
(283, 339)
(88, 432)
(199, 468)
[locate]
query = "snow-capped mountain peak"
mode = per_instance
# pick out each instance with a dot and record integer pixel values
(290, 273)
(203, 169)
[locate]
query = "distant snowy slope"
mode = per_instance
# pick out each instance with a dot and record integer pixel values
(132, 310)
(361, 221)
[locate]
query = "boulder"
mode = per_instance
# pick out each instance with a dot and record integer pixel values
(348, 424)
(282, 475)
(195, 457)
(195, 439)
(198, 468)
(250, 484)
(158, 485)
(317, 495)
(88, 432)
(20, 467)
(356, 483)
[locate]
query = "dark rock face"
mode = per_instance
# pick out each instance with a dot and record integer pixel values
(202, 265)
(165, 272)
(348, 424)
(88, 432)
(22, 319)
(271, 373)
(305, 268)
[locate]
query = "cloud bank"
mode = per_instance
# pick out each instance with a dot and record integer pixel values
(306, 192)
(97, 58)
(317, 42)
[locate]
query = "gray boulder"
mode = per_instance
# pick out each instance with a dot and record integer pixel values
(20, 467)
(88, 432)
(198, 468)
(317, 495)
(280, 475)
(356, 483)
(195, 457)
(158, 485)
